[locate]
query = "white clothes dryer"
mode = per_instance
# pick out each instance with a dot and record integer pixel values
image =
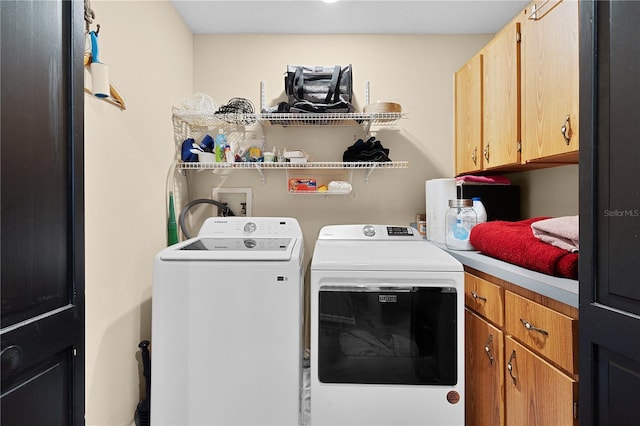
(227, 325)
(387, 329)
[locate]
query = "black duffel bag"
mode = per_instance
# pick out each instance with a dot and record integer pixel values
(318, 88)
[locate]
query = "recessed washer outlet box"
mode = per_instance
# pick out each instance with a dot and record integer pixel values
(239, 200)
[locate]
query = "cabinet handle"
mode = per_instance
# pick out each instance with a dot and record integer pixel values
(477, 296)
(487, 348)
(474, 156)
(531, 327)
(566, 130)
(510, 366)
(12, 358)
(485, 151)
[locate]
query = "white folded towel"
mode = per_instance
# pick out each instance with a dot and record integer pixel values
(339, 186)
(561, 232)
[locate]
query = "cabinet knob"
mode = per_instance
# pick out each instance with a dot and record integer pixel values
(485, 152)
(566, 130)
(474, 156)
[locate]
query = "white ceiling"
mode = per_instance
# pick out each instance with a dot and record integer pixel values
(347, 16)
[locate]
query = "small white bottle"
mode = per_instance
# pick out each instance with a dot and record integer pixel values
(481, 212)
(228, 154)
(270, 157)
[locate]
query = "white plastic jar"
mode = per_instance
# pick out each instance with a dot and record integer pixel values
(481, 212)
(459, 220)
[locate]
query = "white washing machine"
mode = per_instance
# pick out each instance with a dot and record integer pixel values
(227, 325)
(387, 329)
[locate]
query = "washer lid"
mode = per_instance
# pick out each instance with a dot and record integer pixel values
(244, 249)
(381, 255)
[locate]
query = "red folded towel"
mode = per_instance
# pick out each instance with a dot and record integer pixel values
(483, 180)
(515, 243)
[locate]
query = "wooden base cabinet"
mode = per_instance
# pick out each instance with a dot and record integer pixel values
(521, 355)
(484, 372)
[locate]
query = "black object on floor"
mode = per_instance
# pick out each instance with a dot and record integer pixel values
(143, 411)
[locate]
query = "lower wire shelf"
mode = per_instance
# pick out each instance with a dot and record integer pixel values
(260, 167)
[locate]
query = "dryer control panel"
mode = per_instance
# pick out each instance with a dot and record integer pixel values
(368, 232)
(399, 231)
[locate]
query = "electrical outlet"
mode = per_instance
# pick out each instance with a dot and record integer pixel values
(237, 199)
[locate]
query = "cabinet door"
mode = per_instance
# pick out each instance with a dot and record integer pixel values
(501, 98)
(609, 213)
(468, 87)
(536, 392)
(484, 376)
(550, 79)
(42, 226)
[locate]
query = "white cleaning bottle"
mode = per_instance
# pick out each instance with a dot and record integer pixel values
(221, 142)
(481, 212)
(228, 153)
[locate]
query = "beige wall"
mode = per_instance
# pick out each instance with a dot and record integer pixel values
(414, 70)
(548, 192)
(127, 154)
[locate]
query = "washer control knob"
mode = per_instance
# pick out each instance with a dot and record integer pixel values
(369, 230)
(250, 227)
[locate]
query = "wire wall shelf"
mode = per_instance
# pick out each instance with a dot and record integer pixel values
(260, 167)
(309, 165)
(331, 119)
(199, 119)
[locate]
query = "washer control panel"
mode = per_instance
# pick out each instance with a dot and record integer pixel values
(254, 227)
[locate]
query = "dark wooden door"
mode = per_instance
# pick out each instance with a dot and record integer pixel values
(42, 225)
(610, 212)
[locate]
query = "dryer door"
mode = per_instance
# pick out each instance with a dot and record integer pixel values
(387, 335)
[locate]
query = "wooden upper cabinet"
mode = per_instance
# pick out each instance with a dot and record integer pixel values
(468, 116)
(550, 81)
(501, 98)
(528, 94)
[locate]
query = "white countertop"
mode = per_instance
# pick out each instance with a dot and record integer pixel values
(561, 289)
